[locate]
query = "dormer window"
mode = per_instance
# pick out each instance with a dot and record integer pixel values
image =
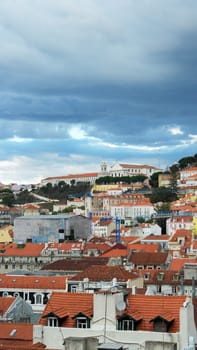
(181, 241)
(176, 277)
(52, 322)
(127, 323)
(146, 276)
(82, 321)
(160, 276)
(161, 324)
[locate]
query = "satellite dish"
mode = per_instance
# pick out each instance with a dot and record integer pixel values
(120, 306)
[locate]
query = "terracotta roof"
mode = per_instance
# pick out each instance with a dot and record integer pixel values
(192, 168)
(97, 273)
(181, 233)
(151, 307)
(178, 263)
(23, 331)
(71, 176)
(146, 258)
(31, 206)
(152, 237)
(140, 202)
(161, 277)
(65, 246)
(129, 239)
(33, 282)
(104, 223)
(17, 336)
(75, 265)
(195, 244)
(117, 250)
(115, 253)
(5, 303)
(96, 246)
(29, 249)
(70, 305)
(139, 247)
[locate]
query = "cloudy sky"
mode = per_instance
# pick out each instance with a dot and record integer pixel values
(86, 81)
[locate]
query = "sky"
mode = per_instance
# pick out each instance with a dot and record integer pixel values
(86, 81)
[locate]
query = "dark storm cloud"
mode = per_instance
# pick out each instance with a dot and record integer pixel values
(91, 78)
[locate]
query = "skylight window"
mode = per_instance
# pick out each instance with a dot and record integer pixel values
(12, 333)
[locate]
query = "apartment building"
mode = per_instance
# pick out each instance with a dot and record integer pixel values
(113, 320)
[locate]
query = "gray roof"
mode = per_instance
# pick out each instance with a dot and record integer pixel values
(44, 217)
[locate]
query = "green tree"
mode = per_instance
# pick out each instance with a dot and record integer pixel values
(8, 200)
(186, 161)
(154, 179)
(174, 173)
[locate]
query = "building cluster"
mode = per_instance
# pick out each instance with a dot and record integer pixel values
(101, 278)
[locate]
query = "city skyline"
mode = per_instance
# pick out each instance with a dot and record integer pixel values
(92, 81)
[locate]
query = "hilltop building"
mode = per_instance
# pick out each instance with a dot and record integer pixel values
(122, 169)
(116, 170)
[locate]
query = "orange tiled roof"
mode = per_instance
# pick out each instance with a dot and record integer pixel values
(29, 249)
(75, 265)
(5, 303)
(178, 263)
(97, 246)
(66, 246)
(103, 273)
(187, 234)
(24, 331)
(160, 277)
(152, 237)
(70, 305)
(33, 282)
(72, 176)
(192, 168)
(137, 247)
(117, 250)
(151, 307)
(115, 253)
(129, 239)
(146, 258)
(31, 206)
(17, 336)
(195, 244)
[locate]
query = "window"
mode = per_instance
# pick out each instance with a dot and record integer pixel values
(126, 324)
(83, 322)
(53, 322)
(38, 299)
(73, 289)
(26, 295)
(160, 325)
(25, 319)
(146, 276)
